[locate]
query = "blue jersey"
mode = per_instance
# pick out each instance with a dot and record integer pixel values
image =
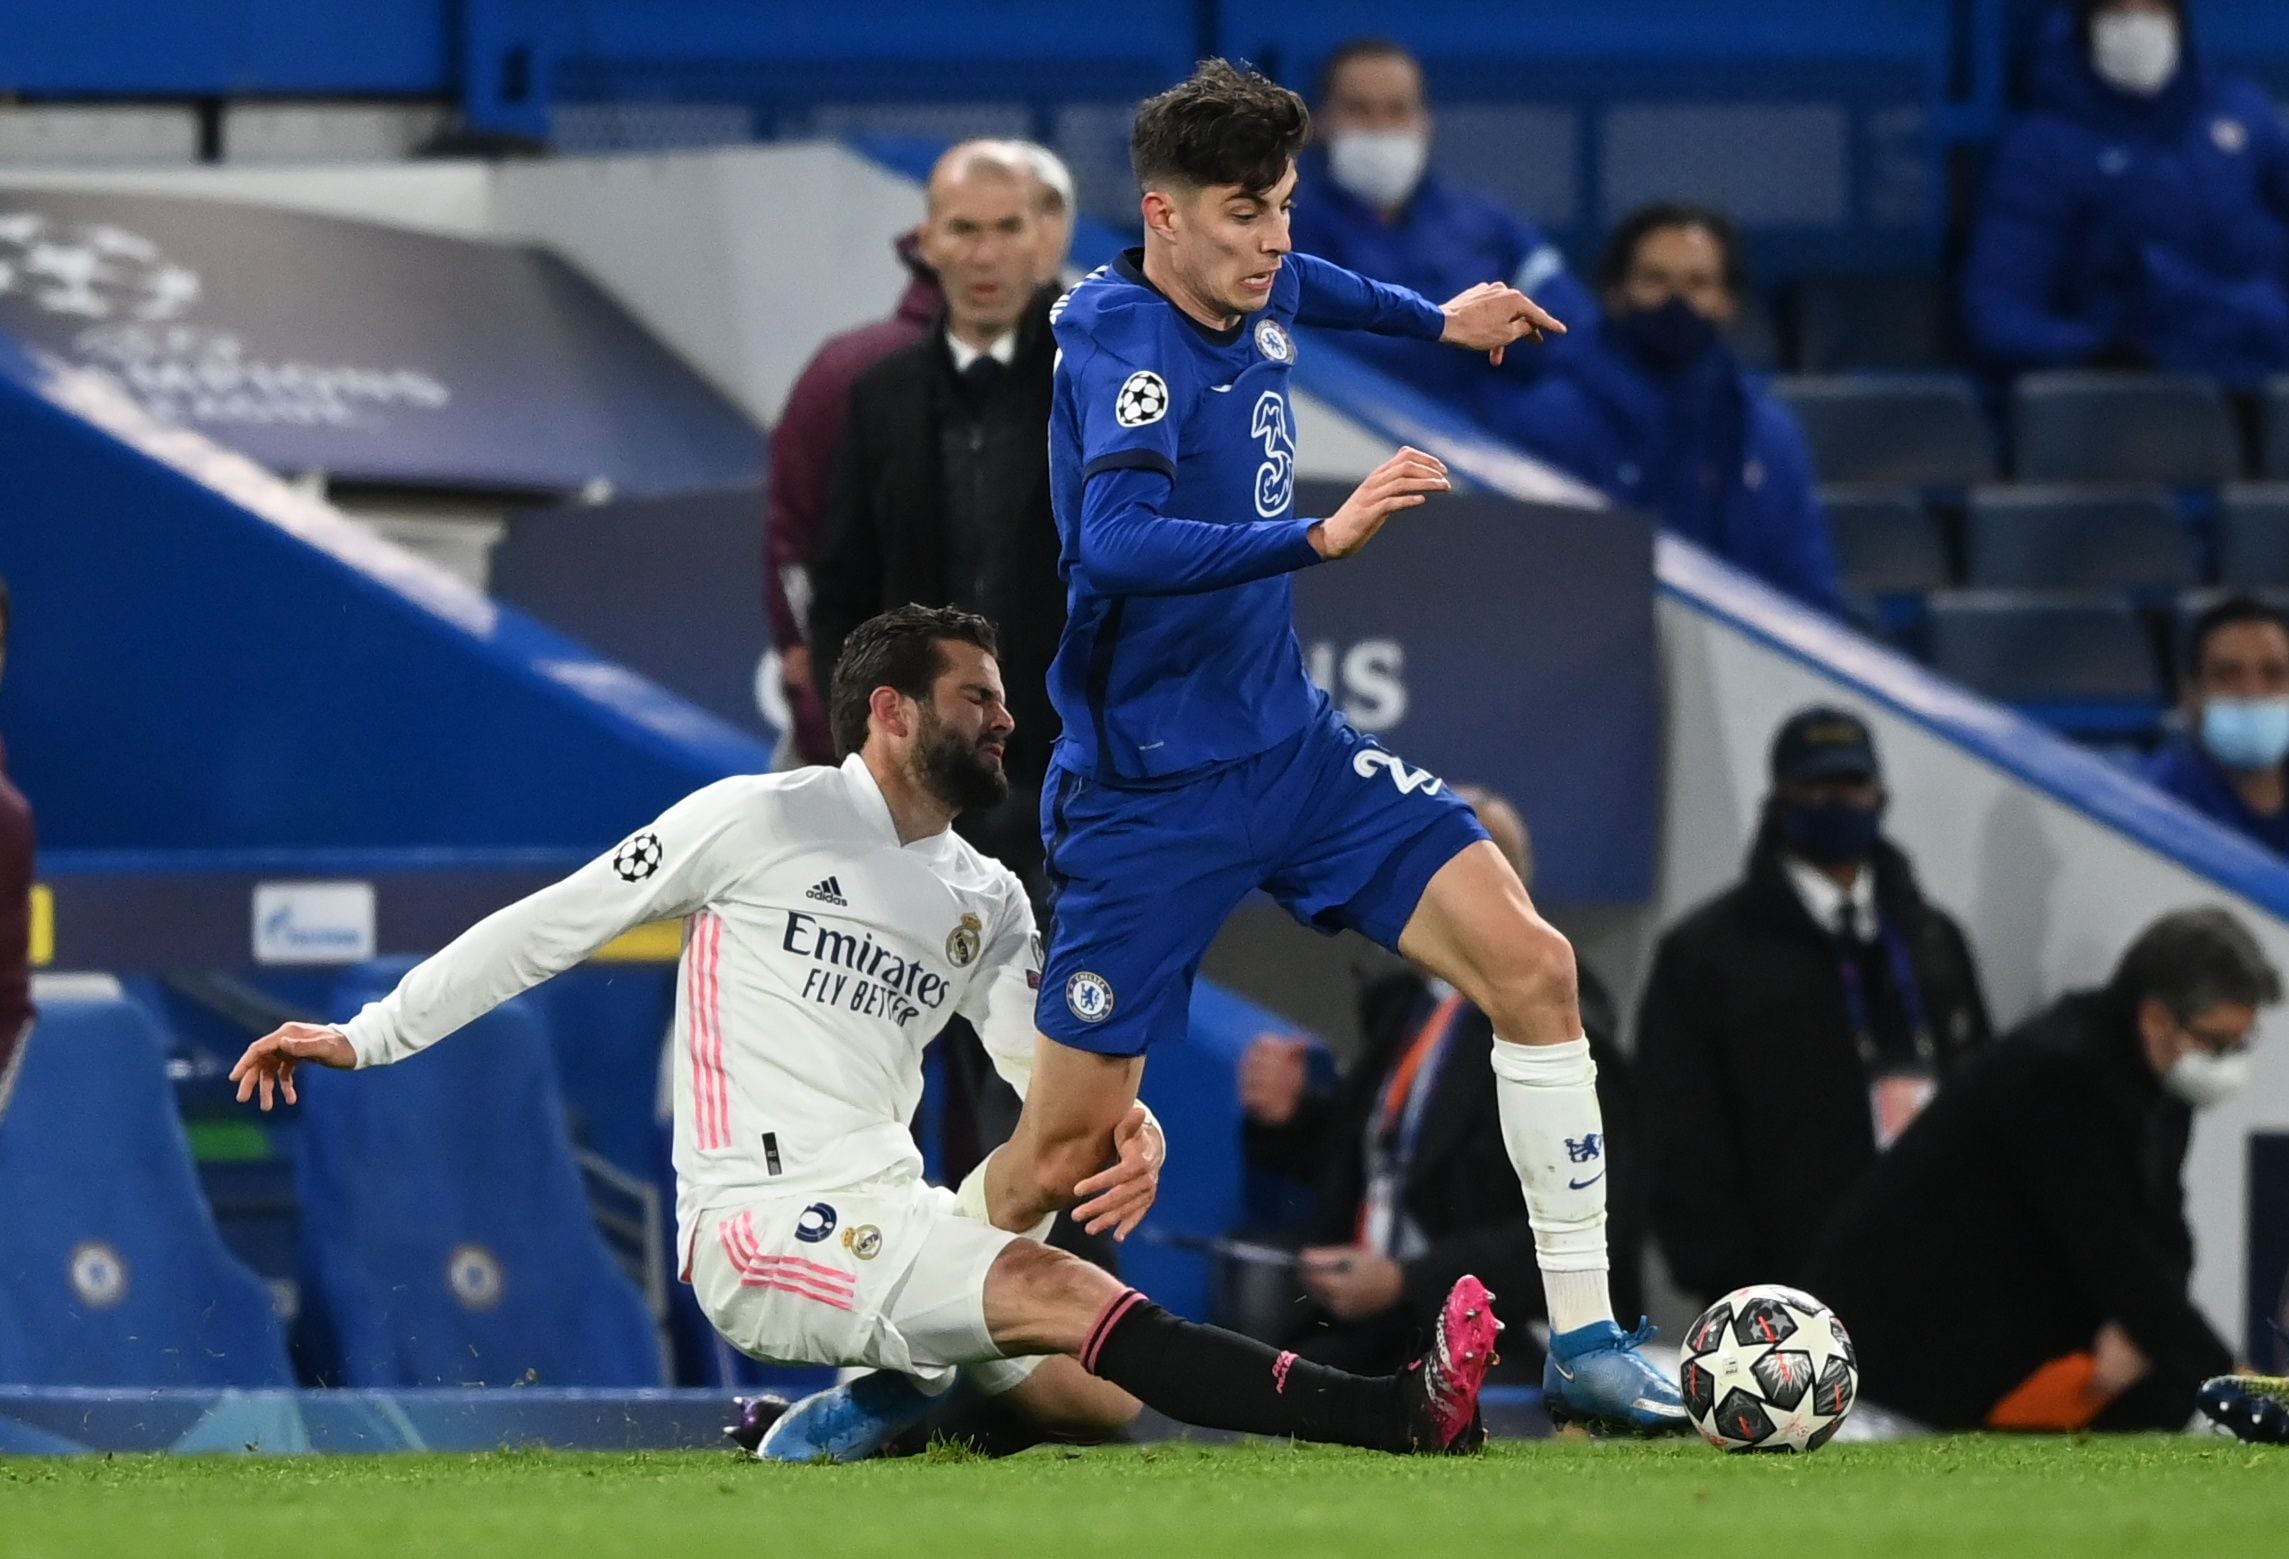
(1172, 469)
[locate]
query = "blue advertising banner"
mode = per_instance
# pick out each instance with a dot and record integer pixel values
(1510, 646)
(362, 351)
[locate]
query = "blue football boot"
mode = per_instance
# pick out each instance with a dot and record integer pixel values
(1596, 1377)
(849, 1422)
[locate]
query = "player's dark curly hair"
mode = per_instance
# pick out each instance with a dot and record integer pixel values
(1226, 125)
(1620, 252)
(901, 649)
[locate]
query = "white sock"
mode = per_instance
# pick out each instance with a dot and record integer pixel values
(1549, 1100)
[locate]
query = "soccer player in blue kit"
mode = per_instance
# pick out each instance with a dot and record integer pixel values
(1199, 762)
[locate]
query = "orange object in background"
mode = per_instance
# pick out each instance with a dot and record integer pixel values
(2062, 1395)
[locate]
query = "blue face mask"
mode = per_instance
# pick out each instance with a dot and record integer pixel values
(2246, 733)
(1832, 833)
(1668, 339)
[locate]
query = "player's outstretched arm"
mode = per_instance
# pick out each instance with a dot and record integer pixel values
(268, 1066)
(1401, 482)
(1491, 316)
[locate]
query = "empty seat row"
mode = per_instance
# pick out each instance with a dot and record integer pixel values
(2087, 666)
(1929, 430)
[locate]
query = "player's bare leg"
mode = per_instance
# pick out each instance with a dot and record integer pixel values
(1477, 929)
(1064, 1133)
(1042, 1300)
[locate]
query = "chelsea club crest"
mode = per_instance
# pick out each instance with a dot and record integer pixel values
(1273, 340)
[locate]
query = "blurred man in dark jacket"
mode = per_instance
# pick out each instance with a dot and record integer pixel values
(2020, 1259)
(941, 487)
(1650, 407)
(1407, 1159)
(16, 848)
(2138, 215)
(1793, 1025)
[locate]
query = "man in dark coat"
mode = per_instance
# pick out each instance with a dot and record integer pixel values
(1792, 1025)
(1407, 1161)
(941, 487)
(2020, 1259)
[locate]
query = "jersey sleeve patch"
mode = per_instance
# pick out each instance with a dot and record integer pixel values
(1142, 399)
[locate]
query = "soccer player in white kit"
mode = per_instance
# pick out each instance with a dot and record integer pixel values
(833, 923)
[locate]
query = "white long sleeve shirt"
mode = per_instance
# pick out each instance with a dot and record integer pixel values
(820, 957)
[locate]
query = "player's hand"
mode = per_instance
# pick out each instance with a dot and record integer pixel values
(1401, 482)
(1490, 316)
(2117, 1362)
(1273, 1074)
(1119, 1197)
(1350, 1282)
(269, 1062)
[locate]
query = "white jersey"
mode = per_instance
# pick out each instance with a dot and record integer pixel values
(820, 957)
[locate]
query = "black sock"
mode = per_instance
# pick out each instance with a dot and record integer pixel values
(1215, 1379)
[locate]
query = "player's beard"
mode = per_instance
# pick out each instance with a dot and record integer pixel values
(952, 768)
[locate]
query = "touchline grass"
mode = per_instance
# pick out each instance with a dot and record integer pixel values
(1985, 1496)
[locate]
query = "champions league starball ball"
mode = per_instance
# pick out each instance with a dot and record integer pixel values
(1768, 1368)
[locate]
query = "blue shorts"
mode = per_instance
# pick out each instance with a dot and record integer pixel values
(1328, 822)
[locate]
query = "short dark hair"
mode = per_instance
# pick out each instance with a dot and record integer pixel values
(1622, 244)
(1371, 48)
(2193, 959)
(2231, 612)
(902, 649)
(1227, 124)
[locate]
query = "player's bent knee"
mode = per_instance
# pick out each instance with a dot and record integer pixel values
(1531, 973)
(1040, 1299)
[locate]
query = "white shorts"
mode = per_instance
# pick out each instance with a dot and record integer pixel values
(888, 1277)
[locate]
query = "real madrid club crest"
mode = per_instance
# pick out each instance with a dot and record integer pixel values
(1273, 340)
(862, 1240)
(1090, 997)
(964, 941)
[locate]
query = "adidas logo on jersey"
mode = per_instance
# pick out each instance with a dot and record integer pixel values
(828, 891)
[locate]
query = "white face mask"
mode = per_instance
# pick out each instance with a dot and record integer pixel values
(1380, 167)
(2203, 1079)
(2135, 51)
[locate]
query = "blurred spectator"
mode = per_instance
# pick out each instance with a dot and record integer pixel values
(1796, 1022)
(2228, 763)
(941, 487)
(1650, 407)
(2046, 1183)
(1368, 201)
(15, 907)
(1407, 1158)
(2138, 214)
(802, 462)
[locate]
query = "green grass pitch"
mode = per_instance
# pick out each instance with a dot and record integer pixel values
(2180, 1498)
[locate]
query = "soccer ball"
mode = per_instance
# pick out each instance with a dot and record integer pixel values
(1768, 1368)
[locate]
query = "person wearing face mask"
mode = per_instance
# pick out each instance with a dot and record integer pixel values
(2048, 1177)
(1650, 407)
(1368, 199)
(2138, 214)
(1803, 1016)
(2231, 763)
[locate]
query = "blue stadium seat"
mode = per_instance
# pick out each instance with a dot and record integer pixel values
(2085, 666)
(446, 1234)
(111, 1272)
(2115, 427)
(2275, 466)
(1849, 321)
(2077, 538)
(1916, 430)
(1887, 543)
(2253, 536)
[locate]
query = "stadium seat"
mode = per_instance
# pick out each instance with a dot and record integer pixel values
(2275, 465)
(111, 1272)
(1917, 430)
(1848, 321)
(1886, 541)
(2253, 536)
(446, 1235)
(2085, 666)
(2077, 538)
(2112, 427)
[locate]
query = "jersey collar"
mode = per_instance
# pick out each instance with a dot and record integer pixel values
(867, 800)
(1130, 267)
